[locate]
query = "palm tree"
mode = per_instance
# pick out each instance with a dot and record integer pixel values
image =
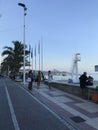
(14, 56)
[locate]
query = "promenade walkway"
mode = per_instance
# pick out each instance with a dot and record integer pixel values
(75, 112)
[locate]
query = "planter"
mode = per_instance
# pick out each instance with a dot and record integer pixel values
(94, 97)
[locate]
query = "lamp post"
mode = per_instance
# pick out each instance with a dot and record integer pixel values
(24, 7)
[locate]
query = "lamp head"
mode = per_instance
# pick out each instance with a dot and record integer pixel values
(21, 4)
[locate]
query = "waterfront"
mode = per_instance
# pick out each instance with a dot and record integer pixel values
(68, 76)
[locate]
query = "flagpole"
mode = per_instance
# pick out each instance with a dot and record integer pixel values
(35, 58)
(29, 61)
(32, 63)
(41, 54)
(32, 58)
(29, 55)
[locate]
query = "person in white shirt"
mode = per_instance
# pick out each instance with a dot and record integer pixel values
(50, 78)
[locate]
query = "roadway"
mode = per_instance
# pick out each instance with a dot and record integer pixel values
(20, 110)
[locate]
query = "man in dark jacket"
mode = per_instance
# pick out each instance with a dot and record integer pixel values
(30, 76)
(83, 83)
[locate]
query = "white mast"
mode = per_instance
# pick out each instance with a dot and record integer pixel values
(74, 72)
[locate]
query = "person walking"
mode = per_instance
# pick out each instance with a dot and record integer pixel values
(83, 83)
(30, 80)
(50, 78)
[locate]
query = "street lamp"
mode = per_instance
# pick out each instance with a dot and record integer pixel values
(24, 7)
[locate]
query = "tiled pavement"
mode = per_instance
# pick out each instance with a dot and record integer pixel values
(81, 113)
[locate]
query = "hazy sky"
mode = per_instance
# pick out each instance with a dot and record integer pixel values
(66, 26)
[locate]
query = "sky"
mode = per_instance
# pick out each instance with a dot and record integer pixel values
(66, 27)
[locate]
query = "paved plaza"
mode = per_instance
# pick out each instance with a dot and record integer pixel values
(78, 112)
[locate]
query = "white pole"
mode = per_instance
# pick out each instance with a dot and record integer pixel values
(24, 7)
(24, 50)
(35, 57)
(41, 54)
(29, 55)
(32, 63)
(32, 58)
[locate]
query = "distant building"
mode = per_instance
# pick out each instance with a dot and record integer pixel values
(96, 68)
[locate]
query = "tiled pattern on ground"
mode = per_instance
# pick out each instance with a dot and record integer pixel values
(80, 112)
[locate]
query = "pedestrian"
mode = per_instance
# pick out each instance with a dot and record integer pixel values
(38, 79)
(90, 81)
(83, 83)
(50, 78)
(30, 80)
